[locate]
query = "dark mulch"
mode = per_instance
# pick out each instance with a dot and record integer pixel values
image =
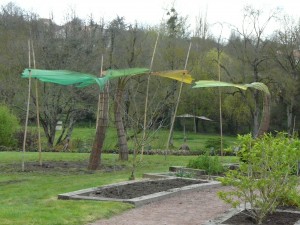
(138, 189)
(57, 166)
(277, 218)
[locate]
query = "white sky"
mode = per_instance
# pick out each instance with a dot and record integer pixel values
(152, 11)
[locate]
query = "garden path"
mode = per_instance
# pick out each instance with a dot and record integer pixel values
(194, 208)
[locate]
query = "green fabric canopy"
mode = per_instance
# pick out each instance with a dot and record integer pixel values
(66, 77)
(212, 83)
(125, 72)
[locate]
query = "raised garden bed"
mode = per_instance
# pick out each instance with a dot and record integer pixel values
(180, 171)
(140, 192)
(239, 216)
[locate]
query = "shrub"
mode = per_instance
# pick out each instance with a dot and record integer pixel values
(8, 126)
(265, 178)
(292, 198)
(210, 164)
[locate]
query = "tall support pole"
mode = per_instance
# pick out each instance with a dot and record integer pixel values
(178, 100)
(220, 107)
(27, 111)
(146, 99)
(37, 110)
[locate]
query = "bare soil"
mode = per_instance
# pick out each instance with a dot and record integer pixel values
(138, 189)
(277, 218)
(57, 166)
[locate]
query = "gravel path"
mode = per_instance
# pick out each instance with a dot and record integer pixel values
(194, 208)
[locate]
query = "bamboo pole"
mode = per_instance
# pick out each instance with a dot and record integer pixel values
(27, 111)
(178, 100)
(146, 99)
(37, 110)
(220, 107)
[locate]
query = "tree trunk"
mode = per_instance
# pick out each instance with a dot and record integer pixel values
(122, 141)
(170, 141)
(49, 130)
(256, 115)
(95, 156)
(265, 120)
(289, 111)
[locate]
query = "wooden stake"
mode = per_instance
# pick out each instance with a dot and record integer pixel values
(146, 99)
(37, 110)
(27, 112)
(178, 100)
(220, 107)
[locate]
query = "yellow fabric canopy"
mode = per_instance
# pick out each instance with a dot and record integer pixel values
(180, 75)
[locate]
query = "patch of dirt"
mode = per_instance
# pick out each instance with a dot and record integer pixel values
(12, 181)
(57, 166)
(277, 218)
(137, 189)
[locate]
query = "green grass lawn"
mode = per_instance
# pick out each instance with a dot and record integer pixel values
(31, 197)
(156, 140)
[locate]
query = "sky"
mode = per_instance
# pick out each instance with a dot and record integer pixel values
(151, 12)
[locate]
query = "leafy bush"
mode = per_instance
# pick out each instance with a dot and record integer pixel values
(292, 198)
(210, 164)
(8, 126)
(265, 178)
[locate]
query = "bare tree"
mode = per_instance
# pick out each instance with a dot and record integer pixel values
(286, 54)
(253, 54)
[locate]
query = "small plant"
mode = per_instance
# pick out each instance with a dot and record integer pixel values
(210, 164)
(80, 145)
(265, 177)
(184, 174)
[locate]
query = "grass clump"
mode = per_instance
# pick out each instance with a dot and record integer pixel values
(211, 164)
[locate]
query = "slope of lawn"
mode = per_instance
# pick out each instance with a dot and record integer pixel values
(30, 197)
(156, 140)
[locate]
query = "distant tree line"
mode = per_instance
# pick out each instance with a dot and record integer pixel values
(249, 55)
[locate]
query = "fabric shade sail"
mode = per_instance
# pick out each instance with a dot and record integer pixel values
(193, 116)
(212, 83)
(66, 77)
(125, 72)
(179, 75)
(63, 77)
